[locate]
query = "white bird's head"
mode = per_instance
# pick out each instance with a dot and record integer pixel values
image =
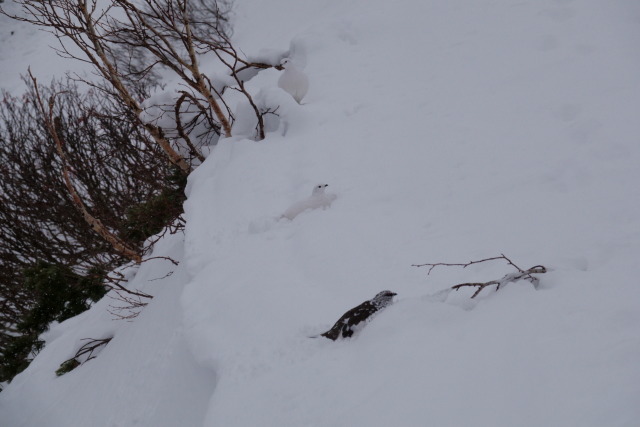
(285, 62)
(319, 189)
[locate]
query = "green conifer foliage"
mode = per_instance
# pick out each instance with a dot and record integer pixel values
(59, 293)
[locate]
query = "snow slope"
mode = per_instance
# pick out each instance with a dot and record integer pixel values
(22, 46)
(450, 132)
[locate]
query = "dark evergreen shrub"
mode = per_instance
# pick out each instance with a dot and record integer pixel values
(59, 294)
(151, 216)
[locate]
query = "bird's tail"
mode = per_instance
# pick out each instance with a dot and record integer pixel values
(326, 335)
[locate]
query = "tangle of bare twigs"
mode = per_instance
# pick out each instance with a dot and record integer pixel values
(511, 277)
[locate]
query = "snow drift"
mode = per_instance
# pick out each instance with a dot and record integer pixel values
(450, 132)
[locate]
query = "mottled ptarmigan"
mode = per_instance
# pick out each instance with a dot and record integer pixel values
(318, 199)
(293, 80)
(355, 317)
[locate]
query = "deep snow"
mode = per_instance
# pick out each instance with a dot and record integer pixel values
(450, 132)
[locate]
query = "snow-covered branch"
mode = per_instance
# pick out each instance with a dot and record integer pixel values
(508, 278)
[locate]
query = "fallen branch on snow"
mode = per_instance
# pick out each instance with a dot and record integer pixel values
(512, 277)
(87, 350)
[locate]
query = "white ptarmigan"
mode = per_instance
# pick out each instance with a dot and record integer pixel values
(318, 199)
(358, 316)
(293, 80)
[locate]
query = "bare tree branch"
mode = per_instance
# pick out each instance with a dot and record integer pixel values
(86, 352)
(463, 265)
(508, 278)
(512, 277)
(53, 124)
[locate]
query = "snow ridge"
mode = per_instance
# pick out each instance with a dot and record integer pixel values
(450, 130)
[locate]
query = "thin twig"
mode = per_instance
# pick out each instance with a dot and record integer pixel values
(182, 133)
(432, 266)
(91, 346)
(86, 349)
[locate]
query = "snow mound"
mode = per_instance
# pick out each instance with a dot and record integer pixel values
(452, 131)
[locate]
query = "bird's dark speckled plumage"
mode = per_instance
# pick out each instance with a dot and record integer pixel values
(362, 313)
